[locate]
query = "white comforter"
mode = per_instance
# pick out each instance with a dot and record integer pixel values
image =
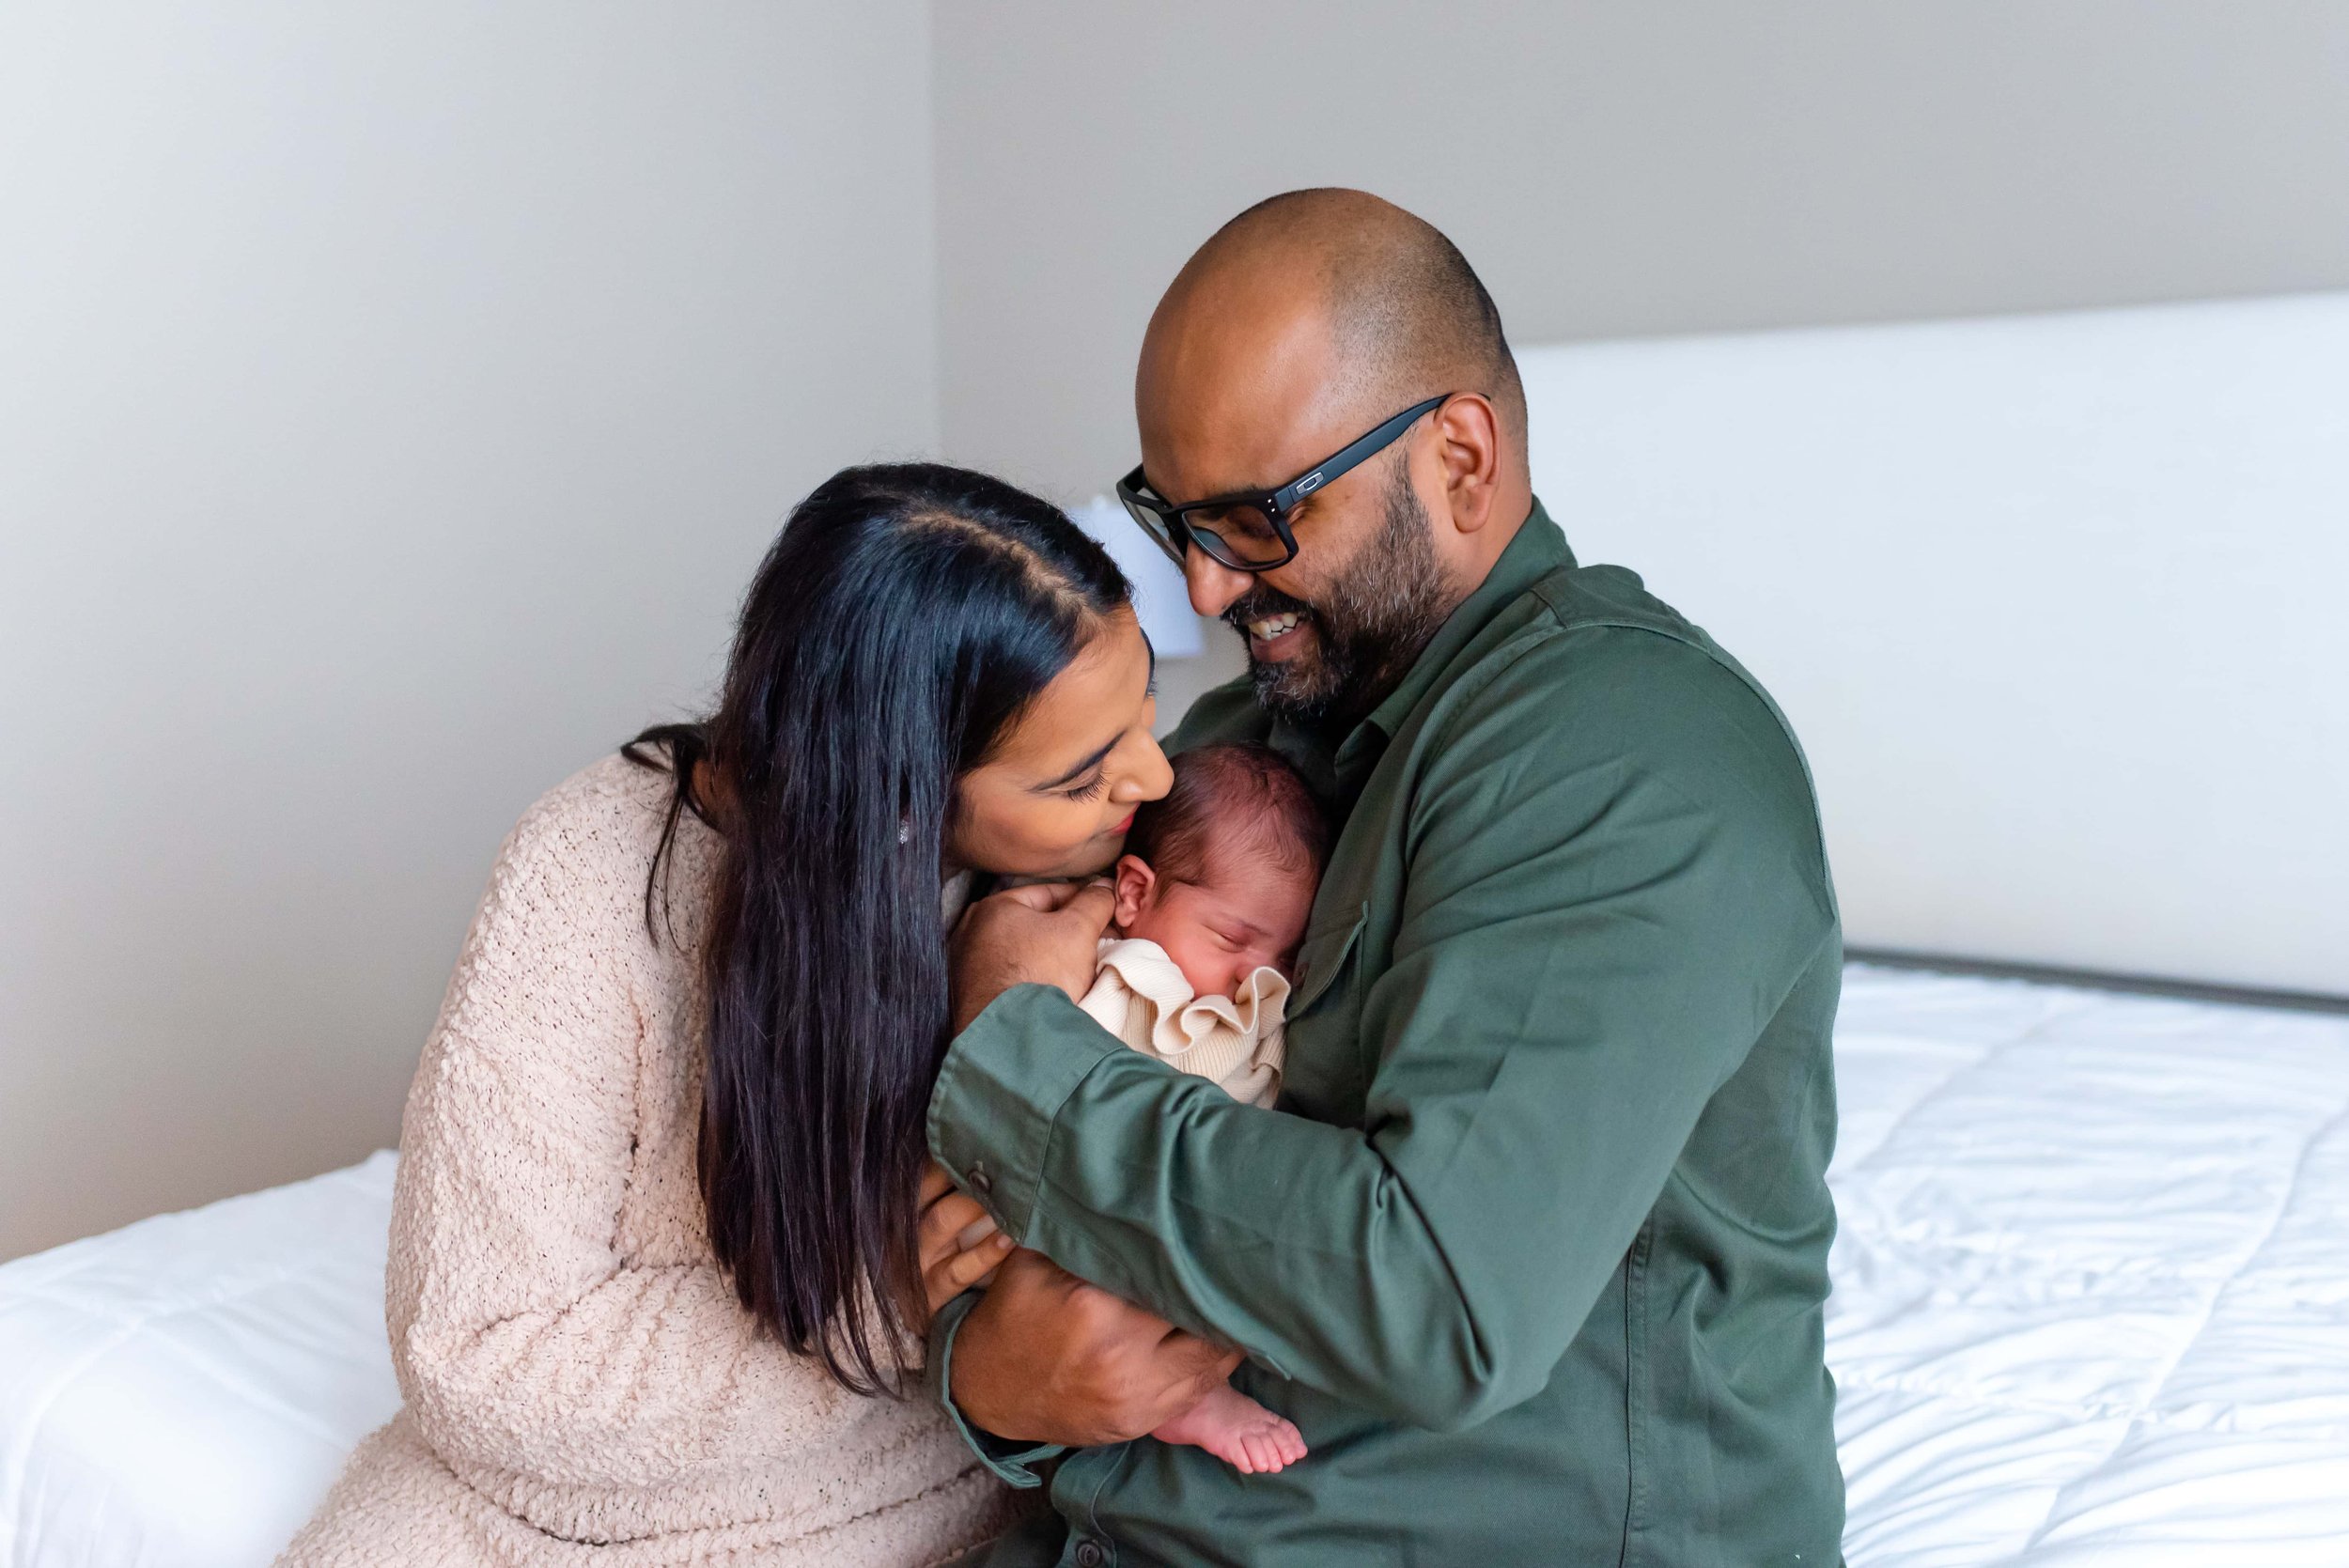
(2092, 1307)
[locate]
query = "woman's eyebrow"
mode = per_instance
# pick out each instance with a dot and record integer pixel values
(1087, 766)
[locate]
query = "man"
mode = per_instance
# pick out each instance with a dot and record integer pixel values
(1534, 1249)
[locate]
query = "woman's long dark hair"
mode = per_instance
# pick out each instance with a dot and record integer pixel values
(905, 617)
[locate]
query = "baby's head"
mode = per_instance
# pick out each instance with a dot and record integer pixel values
(1221, 871)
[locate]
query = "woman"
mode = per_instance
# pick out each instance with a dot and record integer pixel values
(653, 1269)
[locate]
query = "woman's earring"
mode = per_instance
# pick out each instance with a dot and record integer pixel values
(905, 832)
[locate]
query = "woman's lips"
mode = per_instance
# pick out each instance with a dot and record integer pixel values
(1123, 825)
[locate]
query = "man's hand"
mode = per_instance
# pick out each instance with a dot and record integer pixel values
(1047, 933)
(1045, 1357)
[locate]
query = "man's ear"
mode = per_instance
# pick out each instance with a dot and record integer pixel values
(1468, 431)
(1134, 883)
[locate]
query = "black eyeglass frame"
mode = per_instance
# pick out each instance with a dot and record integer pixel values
(1164, 521)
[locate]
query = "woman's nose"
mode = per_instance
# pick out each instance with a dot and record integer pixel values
(1150, 777)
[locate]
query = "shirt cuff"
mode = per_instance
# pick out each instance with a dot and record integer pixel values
(1001, 1086)
(1013, 1463)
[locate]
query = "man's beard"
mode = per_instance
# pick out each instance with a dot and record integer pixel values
(1371, 623)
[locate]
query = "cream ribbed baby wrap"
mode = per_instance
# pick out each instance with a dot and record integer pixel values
(1142, 998)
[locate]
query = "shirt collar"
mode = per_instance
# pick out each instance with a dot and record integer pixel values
(1538, 550)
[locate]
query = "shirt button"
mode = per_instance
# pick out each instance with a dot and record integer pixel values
(1090, 1555)
(983, 1184)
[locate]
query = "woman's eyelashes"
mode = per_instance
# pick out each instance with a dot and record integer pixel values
(1090, 791)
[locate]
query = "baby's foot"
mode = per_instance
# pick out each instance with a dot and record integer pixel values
(1237, 1430)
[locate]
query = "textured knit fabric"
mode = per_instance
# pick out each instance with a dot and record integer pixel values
(581, 1384)
(1139, 995)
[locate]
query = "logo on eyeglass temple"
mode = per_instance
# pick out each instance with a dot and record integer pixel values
(1309, 483)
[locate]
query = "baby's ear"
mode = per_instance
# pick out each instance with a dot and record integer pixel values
(1135, 882)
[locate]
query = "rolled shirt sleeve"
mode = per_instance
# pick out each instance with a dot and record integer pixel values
(1015, 1463)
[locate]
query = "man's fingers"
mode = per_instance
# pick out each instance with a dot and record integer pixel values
(1049, 897)
(1212, 1362)
(1046, 896)
(1186, 1355)
(1091, 907)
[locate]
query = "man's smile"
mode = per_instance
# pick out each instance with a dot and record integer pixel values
(1275, 638)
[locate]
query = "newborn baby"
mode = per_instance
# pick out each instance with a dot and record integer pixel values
(1213, 892)
(1212, 895)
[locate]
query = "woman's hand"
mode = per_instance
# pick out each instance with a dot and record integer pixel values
(960, 1244)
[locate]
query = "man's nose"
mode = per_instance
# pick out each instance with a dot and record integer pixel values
(1213, 585)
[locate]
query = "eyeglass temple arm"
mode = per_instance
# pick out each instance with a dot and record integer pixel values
(1349, 456)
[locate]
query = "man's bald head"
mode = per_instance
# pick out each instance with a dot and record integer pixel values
(1403, 316)
(1304, 323)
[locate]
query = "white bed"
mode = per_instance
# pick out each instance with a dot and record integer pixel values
(2052, 602)
(2092, 1307)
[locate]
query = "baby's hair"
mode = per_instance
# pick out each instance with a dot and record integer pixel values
(1240, 789)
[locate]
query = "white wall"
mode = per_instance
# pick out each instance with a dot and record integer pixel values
(394, 400)
(1616, 168)
(2054, 601)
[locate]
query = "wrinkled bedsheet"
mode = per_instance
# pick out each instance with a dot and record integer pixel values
(2092, 1307)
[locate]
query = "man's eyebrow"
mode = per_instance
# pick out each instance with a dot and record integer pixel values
(1087, 766)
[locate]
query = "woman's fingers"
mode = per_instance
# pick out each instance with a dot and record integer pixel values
(958, 1271)
(944, 1225)
(956, 1239)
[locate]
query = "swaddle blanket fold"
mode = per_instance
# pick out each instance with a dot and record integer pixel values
(1237, 1042)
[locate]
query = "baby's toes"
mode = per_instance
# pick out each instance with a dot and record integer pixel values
(1289, 1441)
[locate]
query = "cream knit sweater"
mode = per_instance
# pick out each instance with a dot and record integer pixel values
(582, 1386)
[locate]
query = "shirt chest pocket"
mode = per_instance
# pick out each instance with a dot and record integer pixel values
(1322, 1077)
(1322, 957)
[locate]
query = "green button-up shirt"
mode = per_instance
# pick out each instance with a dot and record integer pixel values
(1534, 1246)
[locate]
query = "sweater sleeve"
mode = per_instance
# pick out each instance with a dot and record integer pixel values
(527, 1345)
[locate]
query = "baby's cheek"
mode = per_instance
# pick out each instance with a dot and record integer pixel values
(1150, 925)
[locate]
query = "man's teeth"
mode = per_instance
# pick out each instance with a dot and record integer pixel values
(1273, 626)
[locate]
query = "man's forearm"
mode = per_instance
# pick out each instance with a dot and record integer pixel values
(1315, 1261)
(1432, 1266)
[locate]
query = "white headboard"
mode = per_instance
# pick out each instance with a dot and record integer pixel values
(2059, 605)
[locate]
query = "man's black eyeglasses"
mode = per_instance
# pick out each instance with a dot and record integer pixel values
(1250, 530)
